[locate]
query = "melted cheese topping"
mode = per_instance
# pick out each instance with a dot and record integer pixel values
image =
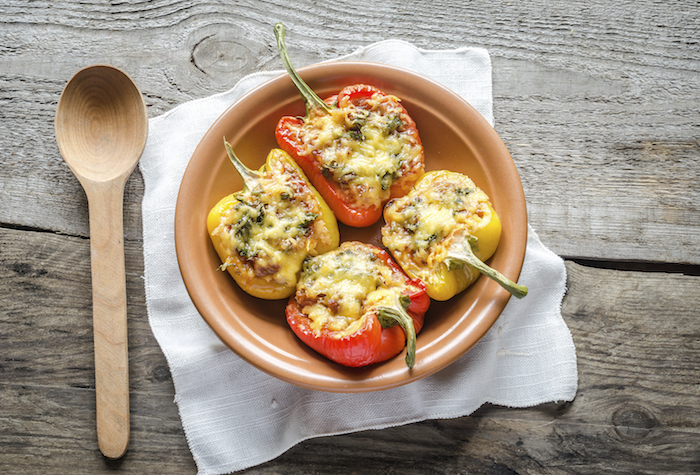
(363, 148)
(422, 225)
(337, 288)
(269, 231)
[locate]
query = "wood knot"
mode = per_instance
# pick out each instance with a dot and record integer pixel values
(633, 422)
(221, 50)
(161, 373)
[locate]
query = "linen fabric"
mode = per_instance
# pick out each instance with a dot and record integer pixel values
(235, 416)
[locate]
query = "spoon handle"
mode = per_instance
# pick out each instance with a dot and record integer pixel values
(105, 203)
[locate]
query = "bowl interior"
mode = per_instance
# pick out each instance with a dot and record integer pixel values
(454, 136)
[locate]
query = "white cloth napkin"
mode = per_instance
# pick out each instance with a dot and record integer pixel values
(235, 416)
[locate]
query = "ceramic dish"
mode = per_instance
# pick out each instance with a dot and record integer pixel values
(455, 137)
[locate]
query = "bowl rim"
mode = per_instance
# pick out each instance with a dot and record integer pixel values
(489, 298)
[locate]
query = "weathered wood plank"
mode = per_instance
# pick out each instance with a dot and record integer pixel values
(599, 105)
(51, 429)
(635, 410)
(46, 316)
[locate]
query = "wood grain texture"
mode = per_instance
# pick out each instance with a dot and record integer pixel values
(597, 102)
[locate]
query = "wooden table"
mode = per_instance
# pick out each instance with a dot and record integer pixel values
(599, 106)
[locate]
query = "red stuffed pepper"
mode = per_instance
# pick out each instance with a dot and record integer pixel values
(358, 148)
(355, 306)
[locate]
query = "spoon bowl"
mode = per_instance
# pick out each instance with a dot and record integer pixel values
(101, 127)
(101, 123)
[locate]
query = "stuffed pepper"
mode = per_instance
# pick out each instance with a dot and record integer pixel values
(264, 232)
(355, 306)
(359, 147)
(442, 232)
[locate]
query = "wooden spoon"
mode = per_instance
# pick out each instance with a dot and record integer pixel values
(101, 127)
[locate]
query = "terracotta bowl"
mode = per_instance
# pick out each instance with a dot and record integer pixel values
(455, 137)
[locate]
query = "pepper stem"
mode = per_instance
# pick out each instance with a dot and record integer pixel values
(461, 253)
(397, 315)
(311, 100)
(251, 179)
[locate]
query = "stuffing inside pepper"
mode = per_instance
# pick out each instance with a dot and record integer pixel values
(338, 288)
(442, 231)
(362, 146)
(356, 306)
(264, 232)
(359, 147)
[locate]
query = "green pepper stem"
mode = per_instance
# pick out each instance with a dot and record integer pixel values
(397, 315)
(310, 98)
(251, 178)
(461, 253)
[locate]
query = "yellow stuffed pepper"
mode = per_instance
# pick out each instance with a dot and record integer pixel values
(264, 232)
(442, 232)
